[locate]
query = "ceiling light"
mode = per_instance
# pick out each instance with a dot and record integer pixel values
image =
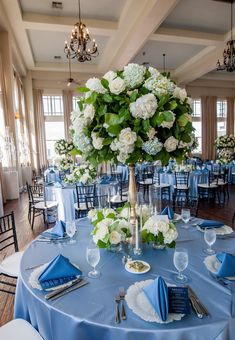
(80, 45)
(229, 51)
(57, 4)
(57, 57)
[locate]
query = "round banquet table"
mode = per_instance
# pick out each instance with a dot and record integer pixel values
(89, 312)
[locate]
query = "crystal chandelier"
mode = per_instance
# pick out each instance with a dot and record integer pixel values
(80, 45)
(229, 51)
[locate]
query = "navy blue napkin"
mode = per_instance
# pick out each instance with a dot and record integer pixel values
(169, 212)
(211, 224)
(58, 272)
(157, 294)
(227, 267)
(104, 180)
(57, 231)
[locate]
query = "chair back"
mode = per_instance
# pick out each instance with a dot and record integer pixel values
(212, 178)
(190, 202)
(34, 191)
(85, 192)
(8, 232)
(181, 178)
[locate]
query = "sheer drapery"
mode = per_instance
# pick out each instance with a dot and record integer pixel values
(230, 115)
(208, 127)
(40, 127)
(68, 108)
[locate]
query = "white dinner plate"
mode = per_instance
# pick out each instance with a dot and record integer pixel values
(130, 269)
(140, 305)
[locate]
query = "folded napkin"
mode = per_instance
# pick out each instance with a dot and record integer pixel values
(104, 180)
(51, 171)
(116, 198)
(227, 267)
(57, 231)
(211, 224)
(157, 294)
(169, 212)
(169, 171)
(58, 272)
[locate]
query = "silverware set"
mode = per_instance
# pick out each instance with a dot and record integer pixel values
(120, 299)
(69, 287)
(197, 305)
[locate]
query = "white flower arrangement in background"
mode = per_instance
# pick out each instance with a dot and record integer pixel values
(84, 173)
(159, 230)
(225, 146)
(66, 163)
(132, 115)
(63, 147)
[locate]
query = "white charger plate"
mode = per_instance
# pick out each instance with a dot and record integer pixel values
(133, 271)
(33, 278)
(139, 304)
(224, 230)
(213, 265)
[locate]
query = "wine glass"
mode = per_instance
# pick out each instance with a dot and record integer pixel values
(185, 215)
(93, 258)
(180, 261)
(210, 238)
(70, 229)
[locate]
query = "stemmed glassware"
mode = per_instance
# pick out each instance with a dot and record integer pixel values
(210, 238)
(70, 229)
(180, 261)
(93, 258)
(185, 215)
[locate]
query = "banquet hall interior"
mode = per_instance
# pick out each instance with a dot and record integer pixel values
(117, 150)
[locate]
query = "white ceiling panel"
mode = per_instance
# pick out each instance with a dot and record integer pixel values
(52, 44)
(202, 15)
(176, 54)
(100, 9)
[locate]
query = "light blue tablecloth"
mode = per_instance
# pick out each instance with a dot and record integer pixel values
(89, 313)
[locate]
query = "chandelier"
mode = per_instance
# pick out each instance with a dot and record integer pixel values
(229, 51)
(80, 45)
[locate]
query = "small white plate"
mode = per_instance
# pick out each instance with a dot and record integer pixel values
(224, 230)
(213, 265)
(134, 271)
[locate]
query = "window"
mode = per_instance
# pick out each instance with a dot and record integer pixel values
(53, 106)
(75, 105)
(197, 123)
(54, 122)
(221, 114)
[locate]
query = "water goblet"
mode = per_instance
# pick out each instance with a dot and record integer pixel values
(210, 238)
(180, 261)
(70, 229)
(185, 215)
(93, 258)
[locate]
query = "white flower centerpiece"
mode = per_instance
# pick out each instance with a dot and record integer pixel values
(225, 146)
(66, 163)
(159, 231)
(84, 173)
(110, 228)
(132, 115)
(63, 147)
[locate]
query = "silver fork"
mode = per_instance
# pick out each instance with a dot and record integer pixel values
(117, 316)
(122, 298)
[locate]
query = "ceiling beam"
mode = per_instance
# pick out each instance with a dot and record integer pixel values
(202, 63)
(139, 19)
(65, 24)
(173, 35)
(63, 67)
(13, 11)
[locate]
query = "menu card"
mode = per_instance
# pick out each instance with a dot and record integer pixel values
(178, 300)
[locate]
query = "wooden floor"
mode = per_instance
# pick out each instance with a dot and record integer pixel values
(26, 235)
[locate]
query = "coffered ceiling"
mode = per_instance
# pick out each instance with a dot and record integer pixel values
(192, 34)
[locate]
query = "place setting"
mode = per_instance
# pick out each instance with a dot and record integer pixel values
(62, 232)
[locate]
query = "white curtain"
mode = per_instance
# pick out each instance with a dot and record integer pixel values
(40, 127)
(68, 108)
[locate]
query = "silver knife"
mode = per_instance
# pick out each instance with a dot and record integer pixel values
(70, 289)
(60, 290)
(198, 302)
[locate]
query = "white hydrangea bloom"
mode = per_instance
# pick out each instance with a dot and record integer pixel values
(115, 237)
(114, 145)
(89, 113)
(144, 107)
(170, 236)
(133, 75)
(122, 157)
(117, 85)
(171, 144)
(94, 84)
(154, 72)
(97, 141)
